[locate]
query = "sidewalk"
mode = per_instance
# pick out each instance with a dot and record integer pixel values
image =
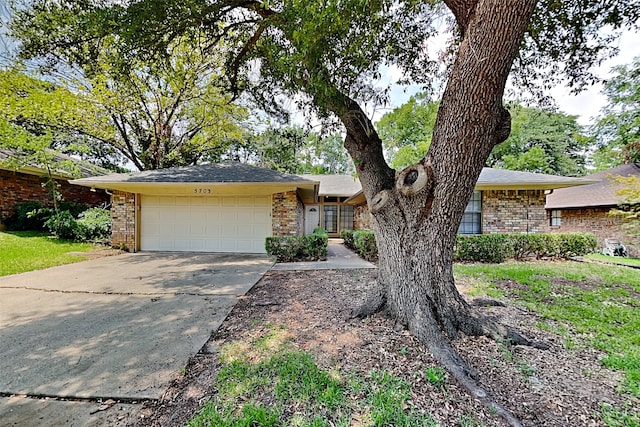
(338, 258)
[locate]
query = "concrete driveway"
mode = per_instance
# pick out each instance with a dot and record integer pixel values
(118, 327)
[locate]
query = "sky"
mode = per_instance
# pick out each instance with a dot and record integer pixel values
(586, 105)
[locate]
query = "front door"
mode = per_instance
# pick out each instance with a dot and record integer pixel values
(311, 218)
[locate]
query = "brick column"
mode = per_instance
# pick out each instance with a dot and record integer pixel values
(123, 220)
(286, 214)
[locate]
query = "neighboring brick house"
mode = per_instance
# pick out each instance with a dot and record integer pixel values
(232, 207)
(25, 184)
(587, 208)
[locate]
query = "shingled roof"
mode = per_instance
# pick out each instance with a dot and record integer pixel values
(602, 193)
(503, 179)
(227, 172)
(336, 185)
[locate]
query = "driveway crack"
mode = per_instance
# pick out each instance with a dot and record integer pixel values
(62, 291)
(94, 399)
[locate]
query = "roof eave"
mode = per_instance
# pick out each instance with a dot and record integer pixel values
(530, 185)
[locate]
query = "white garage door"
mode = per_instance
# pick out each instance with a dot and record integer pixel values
(205, 224)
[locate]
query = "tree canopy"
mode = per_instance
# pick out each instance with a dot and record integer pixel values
(618, 128)
(292, 150)
(406, 131)
(542, 141)
(154, 114)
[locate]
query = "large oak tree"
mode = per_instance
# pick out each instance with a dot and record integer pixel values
(329, 53)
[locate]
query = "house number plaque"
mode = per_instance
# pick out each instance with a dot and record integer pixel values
(202, 191)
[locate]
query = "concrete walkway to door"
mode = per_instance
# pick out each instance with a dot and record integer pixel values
(338, 258)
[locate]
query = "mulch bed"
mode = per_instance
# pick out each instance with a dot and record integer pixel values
(555, 387)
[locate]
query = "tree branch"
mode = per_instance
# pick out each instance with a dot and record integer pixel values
(462, 11)
(235, 65)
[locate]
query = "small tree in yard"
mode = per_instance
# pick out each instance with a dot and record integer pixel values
(329, 54)
(629, 209)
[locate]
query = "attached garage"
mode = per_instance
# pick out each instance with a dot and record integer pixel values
(222, 207)
(205, 224)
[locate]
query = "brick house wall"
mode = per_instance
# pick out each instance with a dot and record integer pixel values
(598, 221)
(287, 214)
(514, 211)
(123, 220)
(17, 188)
(361, 217)
(503, 211)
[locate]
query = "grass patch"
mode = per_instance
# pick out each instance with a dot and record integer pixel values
(22, 251)
(267, 382)
(599, 302)
(635, 262)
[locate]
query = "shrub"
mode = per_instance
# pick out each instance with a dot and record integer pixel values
(74, 208)
(527, 245)
(34, 215)
(493, 248)
(574, 244)
(28, 216)
(320, 230)
(94, 224)
(62, 225)
(364, 242)
(312, 247)
(347, 236)
(283, 248)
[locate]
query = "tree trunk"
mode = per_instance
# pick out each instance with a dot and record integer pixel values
(416, 213)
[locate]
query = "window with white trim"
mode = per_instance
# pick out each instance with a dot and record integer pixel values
(472, 219)
(556, 218)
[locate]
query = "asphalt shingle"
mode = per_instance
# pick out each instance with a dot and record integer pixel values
(215, 172)
(601, 193)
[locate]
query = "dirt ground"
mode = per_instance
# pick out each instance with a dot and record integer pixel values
(555, 387)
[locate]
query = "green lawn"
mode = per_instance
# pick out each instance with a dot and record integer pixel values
(615, 260)
(22, 251)
(599, 302)
(268, 382)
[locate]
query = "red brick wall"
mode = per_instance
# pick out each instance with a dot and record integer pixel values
(599, 222)
(123, 220)
(287, 214)
(513, 211)
(17, 188)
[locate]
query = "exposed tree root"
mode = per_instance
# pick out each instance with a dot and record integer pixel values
(427, 330)
(502, 333)
(487, 302)
(374, 303)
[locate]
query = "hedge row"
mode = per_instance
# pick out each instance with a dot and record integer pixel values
(312, 247)
(493, 248)
(361, 241)
(497, 248)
